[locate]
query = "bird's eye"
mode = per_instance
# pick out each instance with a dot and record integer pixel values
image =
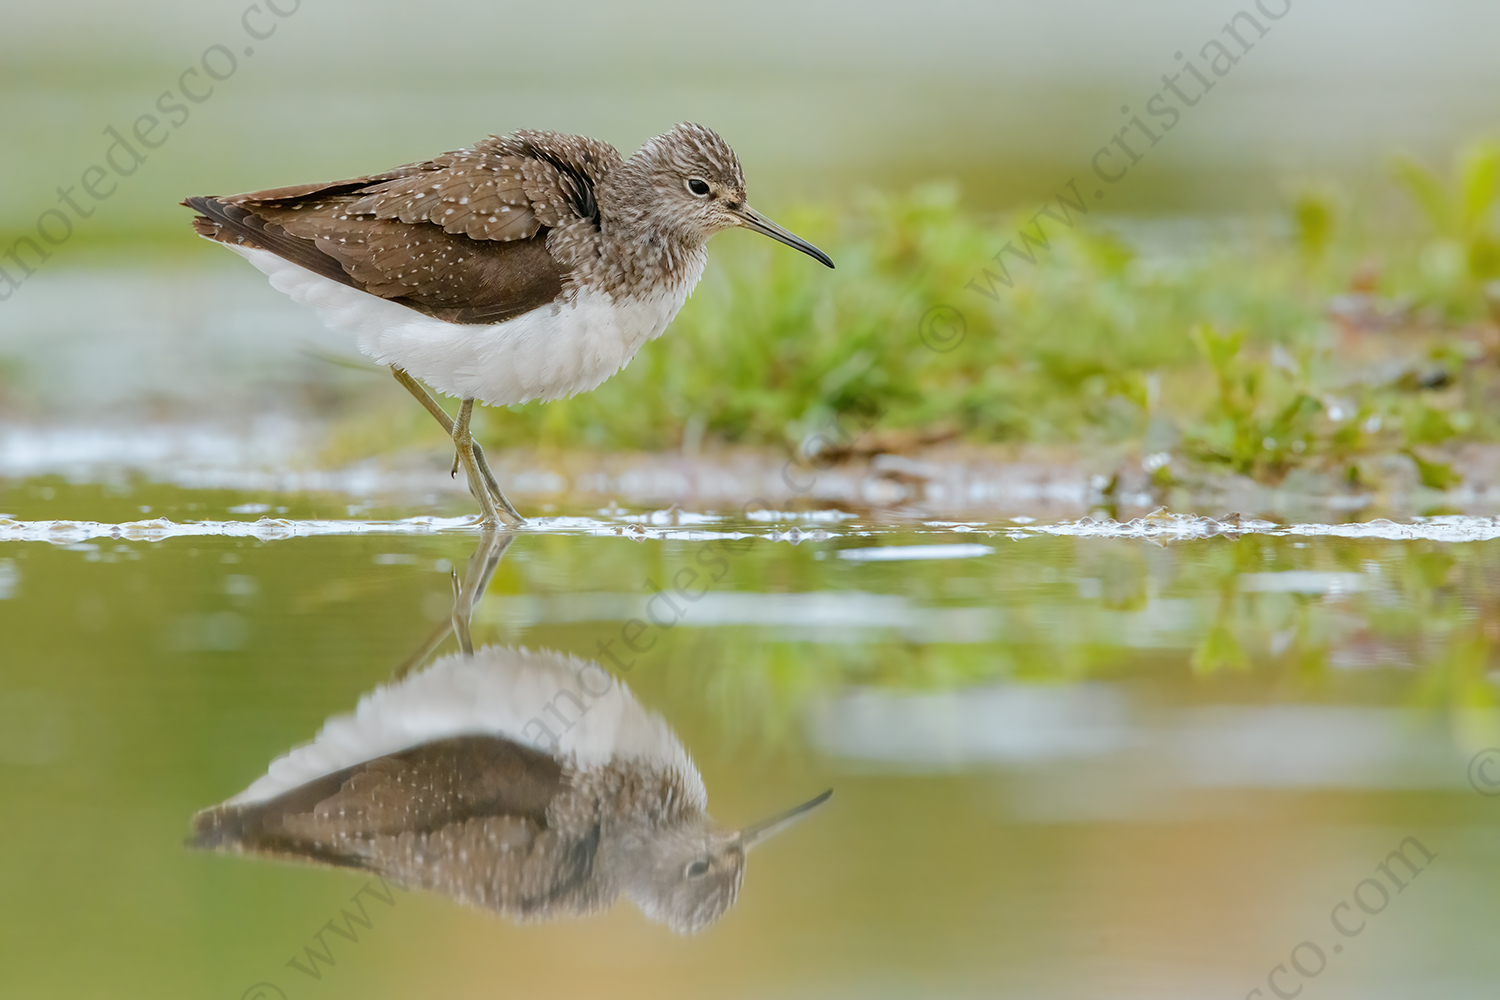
(697, 868)
(698, 186)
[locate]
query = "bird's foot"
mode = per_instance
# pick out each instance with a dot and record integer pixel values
(481, 480)
(494, 485)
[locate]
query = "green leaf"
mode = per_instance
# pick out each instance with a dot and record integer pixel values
(1218, 651)
(1434, 475)
(1478, 183)
(1314, 214)
(1425, 188)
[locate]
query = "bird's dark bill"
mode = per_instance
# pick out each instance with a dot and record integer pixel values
(768, 828)
(754, 220)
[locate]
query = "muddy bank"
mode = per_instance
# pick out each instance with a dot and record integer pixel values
(942, 481)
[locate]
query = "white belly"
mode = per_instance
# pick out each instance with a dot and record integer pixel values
(524, 696)
(549, 353)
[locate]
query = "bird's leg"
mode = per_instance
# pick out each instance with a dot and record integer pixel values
(465, 441)
(466, 594)
(476, 581)
(460, 618)
(494, 485)
(441, 416)
(425, 650)
(425, 398)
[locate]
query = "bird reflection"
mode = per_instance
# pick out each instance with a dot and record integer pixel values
(527, 782)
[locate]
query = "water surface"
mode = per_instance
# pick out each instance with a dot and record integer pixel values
(1155, 759)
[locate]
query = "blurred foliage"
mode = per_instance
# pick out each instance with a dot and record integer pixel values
(772, 348)
(1262, 417)
(1464, 244)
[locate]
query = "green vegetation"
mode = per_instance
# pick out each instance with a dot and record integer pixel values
(1318, 339)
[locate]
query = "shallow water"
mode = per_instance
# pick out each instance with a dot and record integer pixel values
(1156, 759)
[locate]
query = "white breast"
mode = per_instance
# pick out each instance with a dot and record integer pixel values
(554, 351)
(558, 704)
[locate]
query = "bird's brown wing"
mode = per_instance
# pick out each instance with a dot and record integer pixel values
(421, 789)
(461, 237)
(503, 188)
(502, 864)
(473, 817)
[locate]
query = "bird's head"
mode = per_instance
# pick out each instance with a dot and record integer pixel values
(686, 185)
(687, 875)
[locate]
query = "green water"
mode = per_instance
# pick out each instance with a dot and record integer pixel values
(1064, 764)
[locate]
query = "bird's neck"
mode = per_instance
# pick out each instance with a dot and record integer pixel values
(645, 794)
(631, 260)
(638, 247)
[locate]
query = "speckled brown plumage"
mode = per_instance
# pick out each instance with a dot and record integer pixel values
(479, 235)
(485, 234)
(462, 237)
(481, 819)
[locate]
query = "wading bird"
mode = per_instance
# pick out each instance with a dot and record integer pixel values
(529, 783)
(529, 266)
